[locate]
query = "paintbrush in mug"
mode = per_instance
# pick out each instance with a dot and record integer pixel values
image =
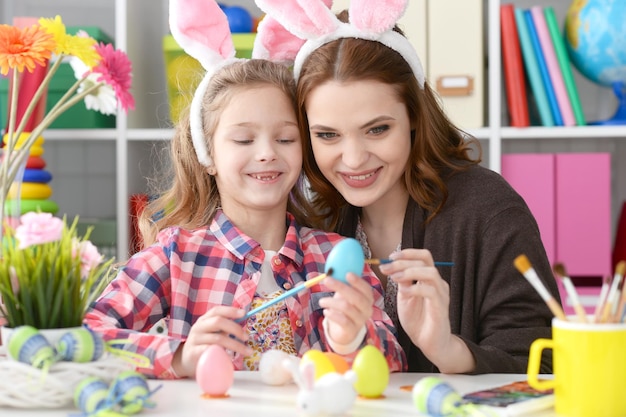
(559, 271)
(604, 291)
(523, 265)
(376, 261)
(612, 298)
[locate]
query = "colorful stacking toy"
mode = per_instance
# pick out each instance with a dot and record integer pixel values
(35, 190)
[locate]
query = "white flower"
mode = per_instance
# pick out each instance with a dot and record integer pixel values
(103, 99)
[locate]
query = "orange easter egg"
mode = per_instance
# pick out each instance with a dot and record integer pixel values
(339, 363)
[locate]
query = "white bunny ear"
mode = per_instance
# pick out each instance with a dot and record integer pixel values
(201, 28)
(375, 15)
(307, 370)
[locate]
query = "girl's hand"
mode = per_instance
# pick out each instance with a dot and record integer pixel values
(423, 310)
(215, 327)
(348, 309)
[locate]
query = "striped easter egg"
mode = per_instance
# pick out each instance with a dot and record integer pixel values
(132, 391)
(27, 345)
(80, 345)
(91, 395)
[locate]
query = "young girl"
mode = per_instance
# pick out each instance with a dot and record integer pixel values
(387, 166)
(224, 242)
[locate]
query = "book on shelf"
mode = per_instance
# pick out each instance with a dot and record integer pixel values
(513, 65)
(564, 64)
(552, 64)
(543, 69)
(531, 65)
(513, 399)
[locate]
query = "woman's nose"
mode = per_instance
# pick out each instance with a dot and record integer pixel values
(354, 153)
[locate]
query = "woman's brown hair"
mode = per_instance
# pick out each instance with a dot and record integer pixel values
(438, 148)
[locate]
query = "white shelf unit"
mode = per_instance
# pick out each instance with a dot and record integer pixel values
(139, 25)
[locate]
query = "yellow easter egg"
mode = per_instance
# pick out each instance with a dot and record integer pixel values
(322, 363)
(372, 371)
(339, 363)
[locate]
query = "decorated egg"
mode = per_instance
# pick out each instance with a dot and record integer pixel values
(321, 363)
(433, 396)
(372, 371)
(346, 256)
(80, 345)
(131, 390)
(91, 395)
(27, 345)
(215, 372)
(339, 363)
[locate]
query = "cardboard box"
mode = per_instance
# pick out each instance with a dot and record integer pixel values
(77, 116)
(183, 73)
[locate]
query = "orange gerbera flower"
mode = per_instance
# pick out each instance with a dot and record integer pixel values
(24, 48)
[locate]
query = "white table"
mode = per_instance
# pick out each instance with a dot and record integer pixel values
(250, 397)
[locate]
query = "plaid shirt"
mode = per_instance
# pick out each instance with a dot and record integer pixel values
(187, 272)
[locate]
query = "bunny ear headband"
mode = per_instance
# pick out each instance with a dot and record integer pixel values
(314, 22)
(201, 28)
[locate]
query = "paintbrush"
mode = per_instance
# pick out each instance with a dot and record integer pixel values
(523, 265)
(295, 290)
(604, 291)
(559, 270)
(376, 261)
(612, 298)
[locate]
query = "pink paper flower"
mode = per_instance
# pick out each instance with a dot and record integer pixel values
(115, 69)
(89, 257)
(38, 228)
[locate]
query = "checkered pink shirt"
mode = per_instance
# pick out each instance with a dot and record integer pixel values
(187, 272)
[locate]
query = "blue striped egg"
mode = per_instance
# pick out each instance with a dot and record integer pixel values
(80, 345)
(132, 391)
(92, 395)
(27, 345)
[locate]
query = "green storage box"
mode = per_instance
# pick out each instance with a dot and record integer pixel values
(77, 116)
(184, 73)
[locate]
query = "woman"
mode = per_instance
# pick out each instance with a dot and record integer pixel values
(386, 166)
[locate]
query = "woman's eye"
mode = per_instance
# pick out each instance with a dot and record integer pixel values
(325, 135)
(286, 140)
(243, 141)
(379, 129)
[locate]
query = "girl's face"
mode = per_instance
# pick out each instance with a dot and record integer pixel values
(361, 139)
(257, 150)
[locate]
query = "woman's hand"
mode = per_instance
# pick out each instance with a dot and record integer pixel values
(423, 310)
(348, 309)
(215, 327)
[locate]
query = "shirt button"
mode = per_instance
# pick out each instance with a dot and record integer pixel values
(287, 286)
(277, 261)
(298, 323)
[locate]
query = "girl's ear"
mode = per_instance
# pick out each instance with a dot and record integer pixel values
(201, 28)
(211, 170)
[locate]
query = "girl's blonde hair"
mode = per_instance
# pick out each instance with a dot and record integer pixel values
(191, 199)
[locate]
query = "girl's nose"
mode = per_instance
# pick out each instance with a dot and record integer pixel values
(266, 151)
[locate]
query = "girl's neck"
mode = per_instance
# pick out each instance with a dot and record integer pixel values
(266, 227)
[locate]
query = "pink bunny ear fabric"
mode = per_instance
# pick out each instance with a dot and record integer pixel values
(201, 28)
(275, 43)
(375, 15)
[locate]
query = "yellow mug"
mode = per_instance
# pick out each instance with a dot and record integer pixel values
(589, 366)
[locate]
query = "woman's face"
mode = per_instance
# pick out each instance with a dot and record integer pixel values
(361, 139)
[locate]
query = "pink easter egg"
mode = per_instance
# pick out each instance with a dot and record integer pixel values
(215, 372)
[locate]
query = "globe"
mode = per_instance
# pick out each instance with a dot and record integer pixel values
(595, 36)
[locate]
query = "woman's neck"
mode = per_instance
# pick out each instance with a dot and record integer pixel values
(383, 221)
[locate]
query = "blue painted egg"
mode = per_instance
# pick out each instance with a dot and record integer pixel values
(346, 256)
(80, 345)
(132, 391)
(27, 345)
(91, 395)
